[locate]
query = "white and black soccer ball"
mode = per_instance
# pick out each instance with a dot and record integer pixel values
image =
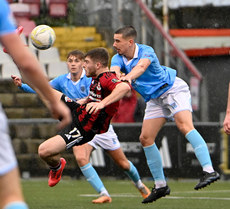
(42, 37)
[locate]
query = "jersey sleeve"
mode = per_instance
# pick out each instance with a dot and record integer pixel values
(116, 61)
(110, 81)
(148, 53)
(55, 83)
(26, 88)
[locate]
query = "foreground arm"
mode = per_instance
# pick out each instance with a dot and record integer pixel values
(32, 73)
(119, 92)
(137, 71)
(226, 123)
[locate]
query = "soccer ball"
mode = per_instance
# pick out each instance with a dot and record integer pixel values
(42, 37)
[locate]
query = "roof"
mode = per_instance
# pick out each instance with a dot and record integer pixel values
(173, 4)
(202, 42)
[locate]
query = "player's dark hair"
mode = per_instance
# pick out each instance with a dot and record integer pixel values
(127, 32)
(77, 53)
(99, 54)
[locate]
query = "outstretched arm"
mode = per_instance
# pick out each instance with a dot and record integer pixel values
(24, 87)
(32, 73)
(226, 123)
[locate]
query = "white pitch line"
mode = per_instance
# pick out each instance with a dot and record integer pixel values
(199, 198)
(203, 191)
(113, 195)
(125, 195)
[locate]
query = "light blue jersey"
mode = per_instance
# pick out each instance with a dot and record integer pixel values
(8, 160)
(64, 84)
(6, 23)
(156, 80)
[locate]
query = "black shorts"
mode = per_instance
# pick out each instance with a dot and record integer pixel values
(74, 134)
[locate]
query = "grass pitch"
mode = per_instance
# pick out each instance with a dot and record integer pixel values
(78, 194)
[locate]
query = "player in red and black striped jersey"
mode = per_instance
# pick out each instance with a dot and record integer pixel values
(100, 88)
(90, 123)
(90, 116)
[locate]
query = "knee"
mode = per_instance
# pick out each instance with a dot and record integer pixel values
(43, 151)
(145, 141)
(81, 160)
(184, 128)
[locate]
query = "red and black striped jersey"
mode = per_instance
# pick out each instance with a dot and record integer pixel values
(100, 88)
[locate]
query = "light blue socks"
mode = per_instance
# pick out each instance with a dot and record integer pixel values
(92, 177)
(132, 173)
(16, 205)
(155, 165)
(200, 149)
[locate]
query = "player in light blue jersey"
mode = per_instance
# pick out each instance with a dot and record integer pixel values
(149, 84)
(75, 85)
(167, 97)
(11, 196)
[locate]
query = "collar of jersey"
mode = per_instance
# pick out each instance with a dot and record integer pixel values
(101, 74)
(82, 74)
(135, 55)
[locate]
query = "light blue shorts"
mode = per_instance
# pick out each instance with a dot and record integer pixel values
(176, 99)
(107, 141)
(7, 157)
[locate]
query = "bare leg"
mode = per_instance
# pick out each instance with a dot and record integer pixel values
(130, 170)
(50, 150)
(150, 129)
(82, 155)
(185, 125)
(10, 188)
(183, 120)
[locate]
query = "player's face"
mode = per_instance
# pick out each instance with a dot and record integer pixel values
(120, 44)
(74, 64)
(90, 67)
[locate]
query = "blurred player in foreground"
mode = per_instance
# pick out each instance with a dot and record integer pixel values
(226, 123)
(11, 196)
(167, 97)
(75, 85)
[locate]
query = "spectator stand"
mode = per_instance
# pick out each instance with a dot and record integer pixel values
(35, 7)
(21, 11)
(50, 58)
(57, 68)
(57, 8)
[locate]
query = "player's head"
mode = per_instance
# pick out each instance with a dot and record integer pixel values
(96, 61)
(75, 60)
(76, 53)
(124, 39)
(127, 32)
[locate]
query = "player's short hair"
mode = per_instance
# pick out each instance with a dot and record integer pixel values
(99, 54)
(127, 32)
(77, 53)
